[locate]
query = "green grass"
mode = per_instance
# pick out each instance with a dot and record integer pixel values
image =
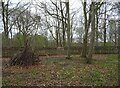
(61, 71)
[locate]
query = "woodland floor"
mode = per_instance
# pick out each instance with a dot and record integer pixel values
(58, 71)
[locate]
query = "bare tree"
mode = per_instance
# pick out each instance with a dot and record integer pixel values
(86, 26)
(57, 11)
(94, 8)
(26, 23)
(90, 50)
(8, 18)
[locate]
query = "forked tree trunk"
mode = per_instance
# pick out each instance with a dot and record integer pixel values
(87, 25)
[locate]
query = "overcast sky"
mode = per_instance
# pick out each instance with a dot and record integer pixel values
(73, 3)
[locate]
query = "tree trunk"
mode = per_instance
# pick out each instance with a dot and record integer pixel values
(7, 32)
(105, 26)
(5, 22)
(97, 21)
(63, 25)
(68, 30)
(84, 50)
(57, 42)
(87, 25)
(91, 45)
(119, 44)
(115, 34)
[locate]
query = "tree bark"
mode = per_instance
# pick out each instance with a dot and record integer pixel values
(57, 42)
(97, 21)
(119, 44)
(105, 26)
(63, 26)
(91, 45)
(5, 22)
(87, 25)
(84, 51)
(68, 30)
